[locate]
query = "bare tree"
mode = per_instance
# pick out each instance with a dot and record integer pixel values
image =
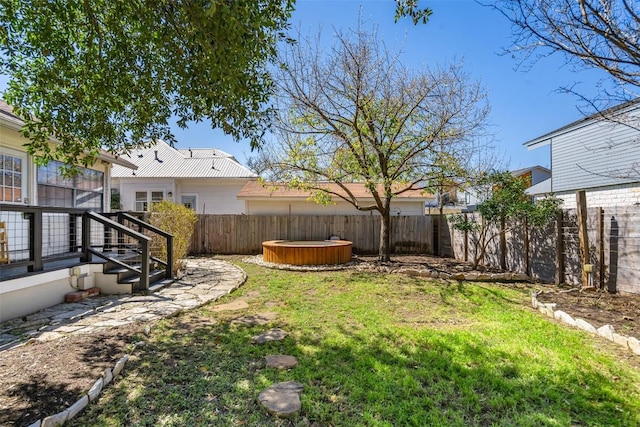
(356, 114)
(600, 34)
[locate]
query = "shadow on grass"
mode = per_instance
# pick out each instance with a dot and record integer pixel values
(198, 371)
(42, 390)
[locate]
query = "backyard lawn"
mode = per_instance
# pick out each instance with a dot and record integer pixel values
(374, 350)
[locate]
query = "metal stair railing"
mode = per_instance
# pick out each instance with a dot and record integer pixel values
(143, 242)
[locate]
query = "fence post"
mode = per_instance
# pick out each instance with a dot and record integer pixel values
(600, 248)
(35, 245)
(527, 252)
(503, 244)
(559, 250)
(466, 240)
(581, 201)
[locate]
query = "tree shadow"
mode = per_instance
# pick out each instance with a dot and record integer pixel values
(50, 389)
(212, 375)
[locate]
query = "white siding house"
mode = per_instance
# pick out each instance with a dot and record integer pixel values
(599, 154)
(278, 200)
(206, 180)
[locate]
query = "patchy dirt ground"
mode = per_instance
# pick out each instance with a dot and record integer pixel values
(39, 379)
(42, 378)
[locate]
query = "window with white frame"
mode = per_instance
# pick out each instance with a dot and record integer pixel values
(12, 177)
(189, 200)
(142, 199)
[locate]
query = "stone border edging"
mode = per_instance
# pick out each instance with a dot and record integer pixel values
(91, 396)
(606, 331)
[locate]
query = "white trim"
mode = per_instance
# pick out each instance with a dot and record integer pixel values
(25, 172)
(195, 203)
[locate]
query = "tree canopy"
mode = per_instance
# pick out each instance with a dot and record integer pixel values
(110, 74)
(356, 114)
(600, 34)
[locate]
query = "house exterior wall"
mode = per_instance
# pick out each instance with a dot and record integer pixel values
(606, 197)
(20, 297)
(538, 175)
(129, 186)
(213, 196)
(12, 143)
(598, 154)
(303, 207)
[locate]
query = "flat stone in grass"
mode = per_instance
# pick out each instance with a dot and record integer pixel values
(282, 399)
(258, 319)
(232, 306)
(281, 361)
(275, 334)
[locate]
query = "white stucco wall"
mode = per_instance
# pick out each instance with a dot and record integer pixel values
(214, 196)
(302, 207)
(622, 195)
(27, 295)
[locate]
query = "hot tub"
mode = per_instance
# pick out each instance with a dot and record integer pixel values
(307, 252)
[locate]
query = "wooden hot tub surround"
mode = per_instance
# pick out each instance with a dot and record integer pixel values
(312, 252)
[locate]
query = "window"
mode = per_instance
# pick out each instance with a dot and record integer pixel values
(11, 178)
(189, 201)
(84, 190)
(142, 198)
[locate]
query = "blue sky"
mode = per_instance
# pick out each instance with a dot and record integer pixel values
(524, 104)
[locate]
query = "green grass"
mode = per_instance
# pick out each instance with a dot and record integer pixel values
(375, 350)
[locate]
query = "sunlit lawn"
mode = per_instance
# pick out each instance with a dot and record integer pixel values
(375, 350)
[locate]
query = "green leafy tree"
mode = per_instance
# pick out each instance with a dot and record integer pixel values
(109, 74)
(508, 207)
(357, 115)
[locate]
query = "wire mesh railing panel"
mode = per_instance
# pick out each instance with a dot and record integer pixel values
(16, 236)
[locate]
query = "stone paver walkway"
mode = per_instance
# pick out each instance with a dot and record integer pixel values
(206, 280)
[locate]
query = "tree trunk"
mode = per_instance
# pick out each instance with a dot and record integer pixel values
(384, 252)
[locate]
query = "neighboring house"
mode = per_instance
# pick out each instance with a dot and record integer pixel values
(204, 179)
(44, 215)
(278, 200)
(534, 176)
(599, 154)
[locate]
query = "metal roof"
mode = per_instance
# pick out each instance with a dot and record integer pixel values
(163, 161)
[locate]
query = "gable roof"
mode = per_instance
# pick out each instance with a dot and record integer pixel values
(543, 187)
(256, 190)
(545, 139)
(12, 121)
(523, 171)
(160, 160)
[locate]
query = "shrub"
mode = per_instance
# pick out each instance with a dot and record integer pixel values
(177, 220)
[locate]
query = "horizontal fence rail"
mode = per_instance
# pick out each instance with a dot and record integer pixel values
(244, 234)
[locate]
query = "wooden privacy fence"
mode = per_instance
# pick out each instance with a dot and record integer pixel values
(244, 234)
(552, 253)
